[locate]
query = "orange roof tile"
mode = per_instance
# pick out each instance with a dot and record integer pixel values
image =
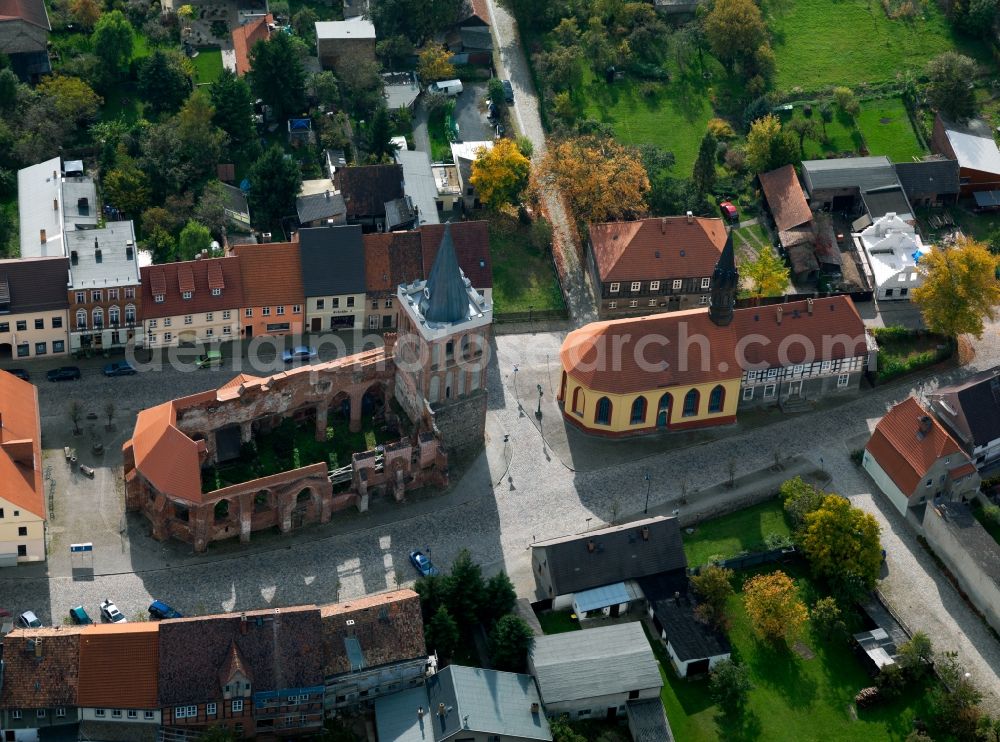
(165, 456)
(20, 445)
(170, 279)
(185, 277)
(157, 281)
(234, 664)
(657, 248)
(391, 259)
(215, 278)
(906, 453)
(41, 674)
(119, 665)
(244, 38)
(272, 274)
(785, 198)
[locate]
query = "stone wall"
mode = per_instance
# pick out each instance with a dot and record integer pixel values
(461, 424)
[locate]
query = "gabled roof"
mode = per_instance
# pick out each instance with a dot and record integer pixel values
(419, 184)
(271, 273)
(689, 636)
(41, 668)
(119, 665)
(385, 628)
(656, 248)
(366, 188)
(580, 562)
(166, 457)
(863, 173)
(785, 197)
(20, 445)
(392, 258)
(475, 12)
(971, 409)
(234, 666)
(244, 38)
(907, 442)
(604, 661)
(282, 648)
(973, 145)
(939, 175)
(333, 260)
(35, 284)
(471, 241)
(326, 205)
(30, 11)
(192, 275)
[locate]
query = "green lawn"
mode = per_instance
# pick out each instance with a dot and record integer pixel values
(523, 276)
(437, 132)
(841, 137)
(820, 43)
(557, 622)
(207, 65)
(887, 130)
(794, 699)
(730, 534)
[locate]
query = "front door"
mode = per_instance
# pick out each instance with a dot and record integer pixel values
(615, 610)
(317, 324)
(795, 388)
(612, 713)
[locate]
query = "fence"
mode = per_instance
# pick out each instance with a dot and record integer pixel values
(539, 314)
(747, 561)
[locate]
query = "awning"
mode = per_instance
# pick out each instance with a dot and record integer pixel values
(987, 199)
(601, 597)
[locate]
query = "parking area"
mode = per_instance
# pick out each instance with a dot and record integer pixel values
(470, 114)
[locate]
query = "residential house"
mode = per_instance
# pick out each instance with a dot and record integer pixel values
(366, 190)
(38, 689)
(856, 185)
(594, 673)
(400, 90)
(391, 259)
(789, 209)
(970, 410)
(104, 291)
(24, 36)
(273, 296)
(344, 44)
(372, 647)
(972, 145)
(471, 241)
(660, 264)
(33, 317)
(22, 496)
(419, 185)
(325, 208)
(914, 460)
(196, 301)
(474, 27)
(246, 35)
(933, 181)
(54, 198)
(463, 154)
(448, 186)
(596, 571)
(465, 703)
(117, 686)
(892, 249)
(333, 277)
(236, 207)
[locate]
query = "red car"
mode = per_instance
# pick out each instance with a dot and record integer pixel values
(729, 211)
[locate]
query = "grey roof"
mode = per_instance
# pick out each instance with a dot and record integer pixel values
(119, 261)
(878, 203)
(929, 176)
(973, 145)
(594, 662)
(327, 205)
(399, 214)
(333, 260)
(400, 89)
(446, 298)
(419, 184)
(235, 199)
(353, 28)
(971, 409)
(864, 173)
(647, 720)
(396, 716)
(34, 284)
(688, 636)
(619, 553)
(979, 544)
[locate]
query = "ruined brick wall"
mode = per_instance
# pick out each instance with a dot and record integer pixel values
(461, 423)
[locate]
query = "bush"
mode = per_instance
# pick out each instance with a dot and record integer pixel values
(730, 684)
(992, 512)
(649, 89)
(800, 499)
(647, 71)
(777, 541)
(720, 128)
(891, 681)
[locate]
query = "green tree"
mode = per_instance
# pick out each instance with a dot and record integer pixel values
(955, 698)
(442, 633)
(767, 272)
(800, 498)
(826, 620)
(978, 18)
(846, 101)
(916, 656)
(840, 539)
(161, 244)
(433, 592)
(703, 175)
(434, 63)
(563, 732)
(769, 146)
(278, 77)
(499, 598)
(730, 685)
(324, 89)
(949, 85)
(164, 81)
(772, 603)
(561, 67)
(8, 89)
(466, 590)
(233, 103)
(361, 88)
(510, 640)
(394, 51)
(194, 238)
(735, 30)
(960, 288)
(112, 41)
(418, 20)
(714, 587)
(73, 98)
(804, 129)
(85, 12)
(495, 92)
(304, 24)
(380, 144)
(274, 185)
(211, 209)
(825, 117)
(126, 187)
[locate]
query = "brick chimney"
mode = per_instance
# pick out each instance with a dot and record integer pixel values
(779, 315)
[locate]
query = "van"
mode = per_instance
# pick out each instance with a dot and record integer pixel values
(211, 359)
(448, 87)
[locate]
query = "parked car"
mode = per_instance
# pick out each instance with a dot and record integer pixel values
(448, 87)
(119, 368)
(28, 620)
(423, 564)
(111, 613)
(158, 609)
(491, 111)
(210, 359)
(19, 373)
(63, 373)
(729, 211)
(299, 353)
(79, 616)
(508, 91)
(501, 130)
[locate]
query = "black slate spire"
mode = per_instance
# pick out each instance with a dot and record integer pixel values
(445, 296)
(725, 282)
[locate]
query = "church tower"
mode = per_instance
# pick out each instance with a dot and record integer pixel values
(725, 282)
(442, 351)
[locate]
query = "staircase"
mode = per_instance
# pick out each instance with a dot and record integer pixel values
(795, 404)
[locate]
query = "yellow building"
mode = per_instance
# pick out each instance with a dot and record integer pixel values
(22, 492)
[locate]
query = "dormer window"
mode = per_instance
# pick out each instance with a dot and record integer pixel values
(216, 292)
(158, 298)
(186, 295)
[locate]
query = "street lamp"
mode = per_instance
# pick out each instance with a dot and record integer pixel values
(645, 509)
(538, 412)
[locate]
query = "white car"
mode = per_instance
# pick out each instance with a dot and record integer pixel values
(111, 613)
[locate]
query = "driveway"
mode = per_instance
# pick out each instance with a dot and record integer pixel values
(470, 114)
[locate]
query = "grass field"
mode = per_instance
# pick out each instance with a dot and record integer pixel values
(800, 693)
(841, 135)
(731, 534)
(819, 43)
(557, 622)
(887, 130)
(523, 277)
(207, 65)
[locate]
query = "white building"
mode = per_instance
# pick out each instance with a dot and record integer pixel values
(51, 201)
(892, 250)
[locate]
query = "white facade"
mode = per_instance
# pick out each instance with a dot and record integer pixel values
(340, 312)
(885, 483)
(598, 707)
(121, 716)
(892, 249)
(21, 528)
(191, 329)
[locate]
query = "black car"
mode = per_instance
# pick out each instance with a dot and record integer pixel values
(64, 373)
(19, 373)
(508, 91)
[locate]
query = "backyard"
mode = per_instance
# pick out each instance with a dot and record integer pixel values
(207, 65)
(728, 535)
(902, 351)
(524, 278)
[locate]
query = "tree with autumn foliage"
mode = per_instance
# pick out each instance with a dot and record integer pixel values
(842, 543)
(501, 174)
(602, 180)
(735, 30)
(768, 272)
(960, 288)
(769, 146)
(434, 63)
(772, 602)
(713, 586)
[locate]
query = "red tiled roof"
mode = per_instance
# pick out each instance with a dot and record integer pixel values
(30, 11)
(119, 665)
(785, 197)
(391, 259)
(20, 445)
(244, 38)
(234, 664)
(657, 248)
(472, 248)
(165, 456)
(272, 274)
(904, 452)
(41, 674)
(388, 627)
(478, 9)
(366, 188)
(202, 299)
(215, 278)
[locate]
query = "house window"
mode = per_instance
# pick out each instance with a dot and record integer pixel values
(15, 714)
(615, 287)
(22, 325)
(167, 321)
(98, 319)
(185, 712)
(133, 714)
(388, 303)
(99, 713)
(654, 285)
(216, 291)
(114, 315)
(152, 337)
(888, 293)
(130, 314)
(350, 301)
(691, 400)
(248, 312)
(843, 380)
(22, 550)
(603, 414)
(167, 337)
(320, 303)
(652, 302)
(209, 332)
(374, 303)
(41, 349)
(633, 694)
(296, 309)
(237, 705)
(23, 350)
(209, 316)
(677, 284)
(636, 285)
(280, 309)
(95, 296)
(116, 713)
(634, 303)
(769, 390)
(152, 324)
(22, 530)
(612, 305)
(583, 712)
(226, 314)
(81, 297)
(148, 715)
(930, 483)
(4, 327)
(56, 323)
(130, 292)
(39, 324)
(210, 709)
(904, 291)
(227, 330)
(81, 319)
(60, 712)
(187, 319)
(186, 295)
(335, 302)
(158, 298)
(112, 294)
(704, 299)
(40, 713)
(706, 282)
(638, 411)
(58, 346)
(265, 311)
(748, 394)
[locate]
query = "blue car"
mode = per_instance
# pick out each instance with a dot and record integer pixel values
(422, 564)
(158, 610)
(299, 353)
(119, 368)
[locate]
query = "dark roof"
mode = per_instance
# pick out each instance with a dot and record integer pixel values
(886, 201)
(235, 199)
(446, 298)
(333, 260)
(392, 258)
(929, 176)
(400, 212)
(472, 248)
(315, 206)
(282, 649)
(971, 409)
(197, 276)
(31, 11)
(48, 680)
(688, 636)
(35, 284)
(863, 173)
(647, 721)
(366, 188)
(619, 553)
